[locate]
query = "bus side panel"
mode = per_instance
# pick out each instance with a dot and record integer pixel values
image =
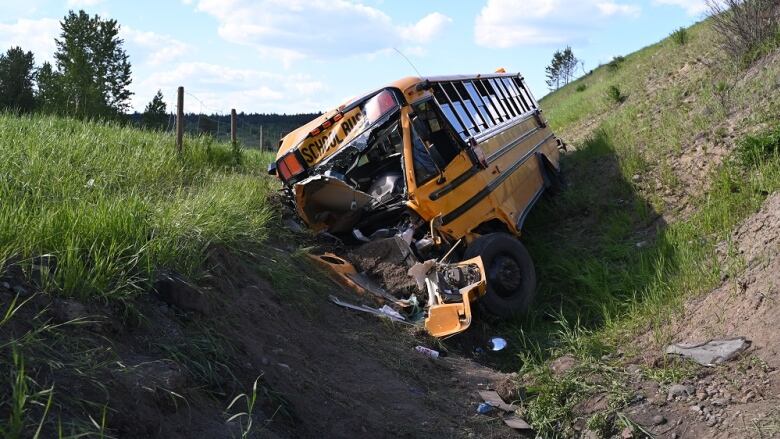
(503, 190)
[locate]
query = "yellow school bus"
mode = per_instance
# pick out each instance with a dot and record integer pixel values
(451, 163)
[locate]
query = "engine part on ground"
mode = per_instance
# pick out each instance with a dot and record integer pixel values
(445, 315)
(444, 318)
(344, 273)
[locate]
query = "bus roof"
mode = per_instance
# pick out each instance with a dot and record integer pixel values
(295, 137)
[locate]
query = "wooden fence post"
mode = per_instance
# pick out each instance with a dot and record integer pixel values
(179, 119)
(233, 126)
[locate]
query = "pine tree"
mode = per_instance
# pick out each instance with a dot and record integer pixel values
(553, 71)
(562, 68)
(155, 115)
(17, 74)
(94, 71)
(568, 65)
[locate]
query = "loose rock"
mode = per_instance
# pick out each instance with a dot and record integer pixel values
(679, 391)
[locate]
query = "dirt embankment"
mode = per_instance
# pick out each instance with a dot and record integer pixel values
(739, 398)
(323, 371)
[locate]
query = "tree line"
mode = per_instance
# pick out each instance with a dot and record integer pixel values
(90, 78)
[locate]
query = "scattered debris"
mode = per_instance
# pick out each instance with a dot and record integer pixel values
(451, 288)
(492, 397)
(492, 400)
(391, 312)
(711, 352)
(516, 422)
(484, 408)
(344, 273)
(429, 352)
(496, 344)
(368, 309)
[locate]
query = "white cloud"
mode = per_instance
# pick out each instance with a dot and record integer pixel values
(692, 7)
(612, 8)
(427, 28)
(508, 23)
(295, 29)
(83, 3)
(160, 48)
(33, 35)
(217, 88)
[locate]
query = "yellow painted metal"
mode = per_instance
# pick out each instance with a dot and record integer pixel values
(445, 319)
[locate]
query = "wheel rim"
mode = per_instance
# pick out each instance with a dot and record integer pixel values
(504, 275)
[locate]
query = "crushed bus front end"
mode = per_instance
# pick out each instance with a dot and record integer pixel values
(417, 174)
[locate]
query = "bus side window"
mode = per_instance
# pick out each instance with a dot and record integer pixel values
(442, 143)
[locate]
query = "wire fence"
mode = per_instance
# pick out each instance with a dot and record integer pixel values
(216, 123)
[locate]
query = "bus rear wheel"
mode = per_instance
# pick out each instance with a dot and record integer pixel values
(511, 278)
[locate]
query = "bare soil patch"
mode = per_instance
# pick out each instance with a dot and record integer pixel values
(323, 371)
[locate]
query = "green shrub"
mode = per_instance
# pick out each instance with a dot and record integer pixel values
(581, 87)
(615, 64)
(680, 36)
(754, 150)
(615, 95)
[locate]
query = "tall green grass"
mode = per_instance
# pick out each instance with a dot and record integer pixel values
(112, 204)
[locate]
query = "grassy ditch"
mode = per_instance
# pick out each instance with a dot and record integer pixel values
(90, 211)
(107, 205)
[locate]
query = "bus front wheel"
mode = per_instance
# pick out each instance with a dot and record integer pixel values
(511, 278)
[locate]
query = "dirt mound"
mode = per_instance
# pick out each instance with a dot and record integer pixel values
(322, 371)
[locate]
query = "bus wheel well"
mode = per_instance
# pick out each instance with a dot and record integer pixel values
(494, 225)
(551, 174)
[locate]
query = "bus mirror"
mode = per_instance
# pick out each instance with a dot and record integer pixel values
(421, 128)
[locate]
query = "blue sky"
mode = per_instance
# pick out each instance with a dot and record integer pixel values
(298, 56)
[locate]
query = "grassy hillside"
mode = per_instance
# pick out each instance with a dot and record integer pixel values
(107, 206)
(658, 175)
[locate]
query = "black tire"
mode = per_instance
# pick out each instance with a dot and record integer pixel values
(511, 278)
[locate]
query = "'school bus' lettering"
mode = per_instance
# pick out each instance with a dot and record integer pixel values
(318, 147)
